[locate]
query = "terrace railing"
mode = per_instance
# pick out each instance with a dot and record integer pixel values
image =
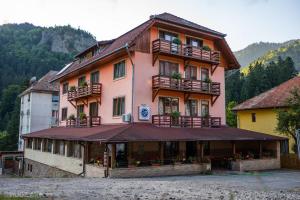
(185, 85)
(168, 47)
(84, 122)
(85, 91)
(185, 121)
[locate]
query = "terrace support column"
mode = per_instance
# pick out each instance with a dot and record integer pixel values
(199, 151)
(52, 146)
(129, 152)
(42, 144)
(277, 149)
(66, 148)
(161, 149)
(113, 155)
(233, 148)
(260, 149)
(182, 150)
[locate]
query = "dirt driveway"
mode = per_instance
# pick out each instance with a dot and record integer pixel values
(264, 185)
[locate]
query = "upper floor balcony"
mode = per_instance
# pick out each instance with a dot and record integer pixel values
(188, 86)
(84, 122)
(168, 120)
(85, 91)
(165, 47)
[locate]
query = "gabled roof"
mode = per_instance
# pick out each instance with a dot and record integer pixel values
(43, 84)
(183, 22)
(98, 43)
(149, 132)
(129, 38)
(273, 98)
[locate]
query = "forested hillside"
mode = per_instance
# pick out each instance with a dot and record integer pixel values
(254, 51)
(25, 51)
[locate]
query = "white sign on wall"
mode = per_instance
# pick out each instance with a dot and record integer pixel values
(144, 112)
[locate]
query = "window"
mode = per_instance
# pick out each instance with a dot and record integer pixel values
(80, 109)
(60, 147)
(204, 74)
(64, 114)
(167, 35)
(253, 116)
(29, 143)
(191, 72)
(204, 108)
(191, 108)
(94, 109)
(171, 150)
(118, 106)
(167, 105)
(168, 68)
(55, 98)
(194, 42)
(81, 81)
(95, 77)
(47, 145)
(119, 69)
(74, 150)
(37, 144)
(65, 88)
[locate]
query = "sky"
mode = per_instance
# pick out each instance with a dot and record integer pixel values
(244, 21)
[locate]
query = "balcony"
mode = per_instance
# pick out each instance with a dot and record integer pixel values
(85, 91)
(188, 86)
(85, 122)
(164, 47)
(185, 121)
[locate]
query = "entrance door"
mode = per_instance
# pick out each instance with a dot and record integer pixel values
(191, 151)
(121, 155)
(171, 150)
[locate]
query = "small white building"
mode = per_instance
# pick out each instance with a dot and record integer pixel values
(39, 106)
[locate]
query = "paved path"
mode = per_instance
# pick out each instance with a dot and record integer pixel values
(263, 185)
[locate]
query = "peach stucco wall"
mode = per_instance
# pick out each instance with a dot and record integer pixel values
(143, 85)
(110, 89)
(143, 82)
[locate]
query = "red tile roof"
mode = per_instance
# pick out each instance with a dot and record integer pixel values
(130, 36)
(273, 98)
(148, 132)
(44, 84)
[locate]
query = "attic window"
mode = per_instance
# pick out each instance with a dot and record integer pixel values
(253, 116)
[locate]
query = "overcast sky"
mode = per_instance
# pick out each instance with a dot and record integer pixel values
(244, 21)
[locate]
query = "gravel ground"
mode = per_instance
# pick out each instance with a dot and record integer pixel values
(263, 185)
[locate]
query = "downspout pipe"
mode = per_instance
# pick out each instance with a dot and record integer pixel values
(132, 81)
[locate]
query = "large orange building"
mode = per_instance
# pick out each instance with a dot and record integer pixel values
(153, 96)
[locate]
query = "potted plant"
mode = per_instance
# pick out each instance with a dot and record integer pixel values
(83, 84)
(176, 41)
(71, 117)
(176, 77)
(206, 48)
(207, 80)
(82, 116)
(137, 163)
(155, 163)
(72, 88)
(175, 117)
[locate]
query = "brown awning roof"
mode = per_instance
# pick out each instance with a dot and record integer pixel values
(273, 98)
(148, 132)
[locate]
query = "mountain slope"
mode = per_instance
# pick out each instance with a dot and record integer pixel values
(254, 51)
(27, 50)
(287, 49)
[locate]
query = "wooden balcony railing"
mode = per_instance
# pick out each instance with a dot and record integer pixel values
(185, 121)
(184, 50)
(85, 122)
(185, 85)
(85, 91)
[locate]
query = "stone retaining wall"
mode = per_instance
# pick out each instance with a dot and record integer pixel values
(94, 171)
(36, 169)
(166, 170)
(256, 164)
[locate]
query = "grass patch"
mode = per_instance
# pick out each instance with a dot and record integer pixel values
(8, 197)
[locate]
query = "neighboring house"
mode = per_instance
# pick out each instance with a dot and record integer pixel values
(259, 113)
(39, 106)
(153, 96)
